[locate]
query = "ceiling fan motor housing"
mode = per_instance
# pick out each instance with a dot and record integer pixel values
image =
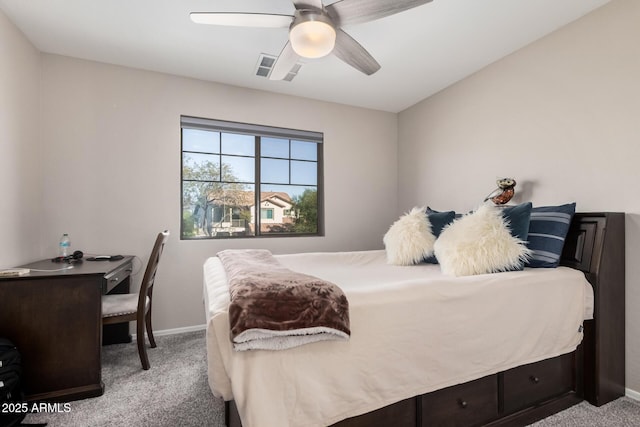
(312, 34)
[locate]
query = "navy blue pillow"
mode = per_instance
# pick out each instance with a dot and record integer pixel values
(518, 218)
(547, 230)
(438, 221)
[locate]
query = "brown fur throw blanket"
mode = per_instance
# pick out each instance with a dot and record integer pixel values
(274, 308)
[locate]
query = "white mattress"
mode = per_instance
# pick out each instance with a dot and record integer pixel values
(413, 331)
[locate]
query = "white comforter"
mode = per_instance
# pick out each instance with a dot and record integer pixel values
(413, 331)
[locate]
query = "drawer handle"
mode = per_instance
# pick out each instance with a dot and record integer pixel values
(534, 379)
(115, 279)
(463, 403)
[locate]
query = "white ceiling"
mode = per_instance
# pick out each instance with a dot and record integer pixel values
(422, 50)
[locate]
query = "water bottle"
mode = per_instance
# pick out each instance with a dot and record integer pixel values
(65, 245)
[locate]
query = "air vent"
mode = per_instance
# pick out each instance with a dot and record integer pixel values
(266, 62)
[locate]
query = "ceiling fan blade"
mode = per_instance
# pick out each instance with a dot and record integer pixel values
(285, 62)
(308, 4)
(351, 52)
(263, 20)
(346, 12)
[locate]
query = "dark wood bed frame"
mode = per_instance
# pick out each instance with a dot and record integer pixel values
(594, 372)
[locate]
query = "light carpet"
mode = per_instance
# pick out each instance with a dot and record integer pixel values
(175, 392)
(623, 412)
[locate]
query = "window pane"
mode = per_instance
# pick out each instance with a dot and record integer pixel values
(233, 143)
(203, 167)
(274, 171)
(275, 208)
(274, 147)
(217, 210)
(200, 140)
(306, 211)
(195, 193)
(305, 173)
(303, 150)
(238, 169)
(295, 209)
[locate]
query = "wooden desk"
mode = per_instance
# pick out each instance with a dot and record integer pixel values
(55, 320)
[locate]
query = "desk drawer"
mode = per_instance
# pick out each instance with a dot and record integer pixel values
(116, 277)
(468, 404)
(536, 382)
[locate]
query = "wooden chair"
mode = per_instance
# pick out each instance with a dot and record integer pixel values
(120, 308)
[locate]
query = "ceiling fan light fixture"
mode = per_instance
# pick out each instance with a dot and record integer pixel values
(312, 36)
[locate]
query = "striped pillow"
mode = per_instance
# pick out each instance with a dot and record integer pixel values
(548, 228)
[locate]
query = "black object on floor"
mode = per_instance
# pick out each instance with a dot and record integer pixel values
(11, 396)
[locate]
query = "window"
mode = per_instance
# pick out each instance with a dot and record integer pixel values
(231, 171)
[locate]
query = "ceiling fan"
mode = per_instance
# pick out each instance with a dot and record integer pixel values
(315, 30)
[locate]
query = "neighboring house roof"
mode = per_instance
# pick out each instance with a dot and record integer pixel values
(277, 198)
(275, 202)
(246, 198)
(266, 195)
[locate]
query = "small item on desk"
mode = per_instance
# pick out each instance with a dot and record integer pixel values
(14, 272)
(105, 258)
(75, 257)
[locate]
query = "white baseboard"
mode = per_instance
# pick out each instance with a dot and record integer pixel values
(176, 331)
(632, 394)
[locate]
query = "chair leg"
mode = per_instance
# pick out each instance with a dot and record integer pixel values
(142, 351)
(147, 320)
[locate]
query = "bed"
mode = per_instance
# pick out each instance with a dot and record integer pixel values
(432, 350)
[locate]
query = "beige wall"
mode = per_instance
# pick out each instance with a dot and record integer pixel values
(562, 116)
(21, 208)
(111, 144)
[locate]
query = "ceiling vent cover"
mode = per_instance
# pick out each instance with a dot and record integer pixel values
(266, 63)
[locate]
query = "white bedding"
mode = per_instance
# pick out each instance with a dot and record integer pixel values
(413, 331)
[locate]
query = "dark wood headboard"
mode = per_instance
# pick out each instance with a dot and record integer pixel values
(596, 245)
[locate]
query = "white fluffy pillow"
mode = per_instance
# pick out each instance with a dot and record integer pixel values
(409, 240)
(478, 243)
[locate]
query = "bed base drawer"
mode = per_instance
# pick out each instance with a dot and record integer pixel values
(469, 404)
(401, 414)
(530, 384)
